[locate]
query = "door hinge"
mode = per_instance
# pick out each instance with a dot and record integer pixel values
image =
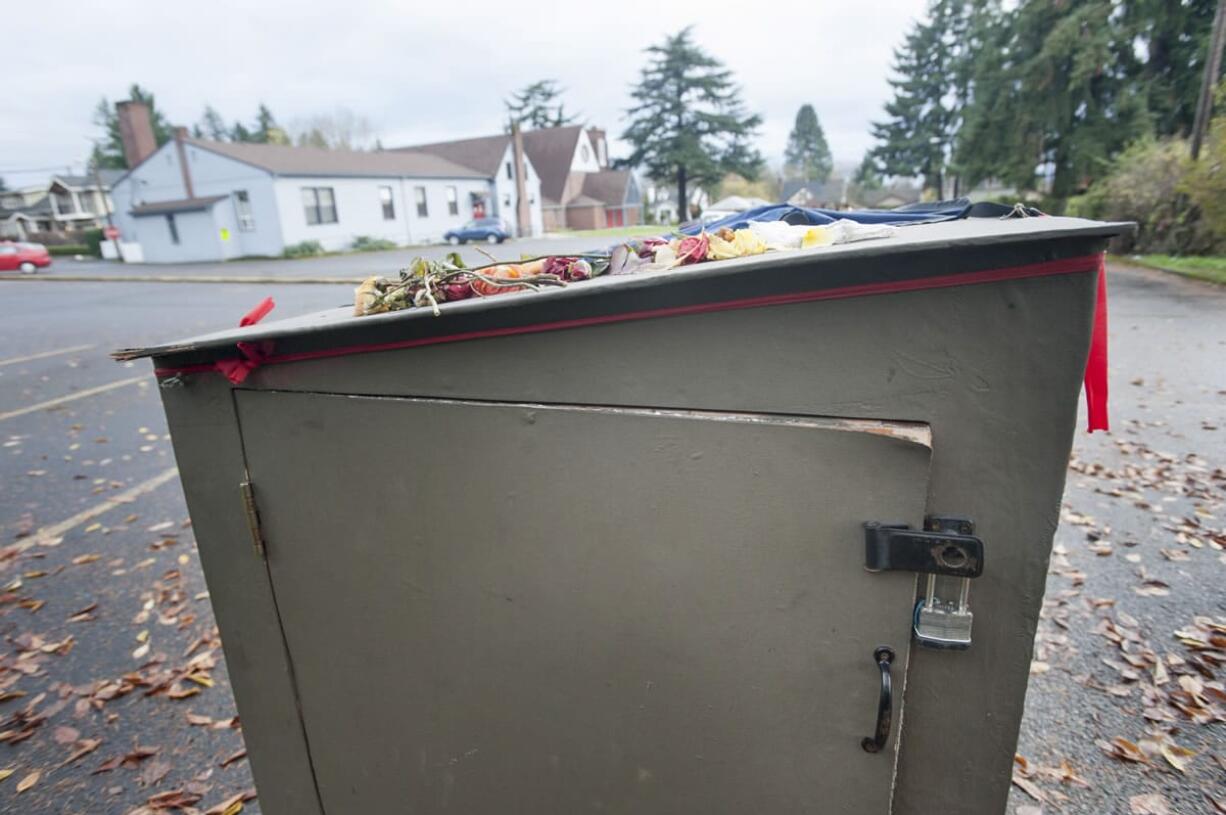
(950, 553)
(253, 518)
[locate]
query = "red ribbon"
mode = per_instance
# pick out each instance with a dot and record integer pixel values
(258, 313)
(1096, 363)
(254, 354)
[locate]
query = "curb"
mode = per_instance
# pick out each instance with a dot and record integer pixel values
(347, 281)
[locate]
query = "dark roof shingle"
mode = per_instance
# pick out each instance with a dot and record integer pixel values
(316, 161)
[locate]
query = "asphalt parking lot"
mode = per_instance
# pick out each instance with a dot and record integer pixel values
(113, 685)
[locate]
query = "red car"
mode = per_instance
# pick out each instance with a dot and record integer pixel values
(24, 257)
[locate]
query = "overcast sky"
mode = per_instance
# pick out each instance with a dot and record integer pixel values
(425, 71)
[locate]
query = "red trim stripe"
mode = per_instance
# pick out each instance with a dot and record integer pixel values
(1085, 263)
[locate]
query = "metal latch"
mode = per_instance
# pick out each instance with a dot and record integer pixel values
(948, 551)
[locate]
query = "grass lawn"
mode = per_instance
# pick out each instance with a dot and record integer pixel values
(639, 231)
(1211, 268)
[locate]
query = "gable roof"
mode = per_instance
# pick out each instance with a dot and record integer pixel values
(41, 206)
(607, 186)
(483, 153)
(551, 150)
(106, 176)
(280, 159)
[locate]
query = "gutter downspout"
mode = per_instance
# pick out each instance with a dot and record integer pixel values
(180, 135)
(522, 213)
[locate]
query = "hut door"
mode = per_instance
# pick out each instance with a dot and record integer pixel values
(497, 608)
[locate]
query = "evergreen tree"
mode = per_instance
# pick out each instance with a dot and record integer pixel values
(537, 106)
(866, 176)
(1172, 37)
(688, 123)
(807, 155)
(931, 85)
(240, 133)
(267, 131)
(1050, 98)
(107, 152)
(211, 125)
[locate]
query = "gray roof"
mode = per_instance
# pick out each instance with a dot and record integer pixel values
(609, 186)
(316, 161)
(551, 150)
(179, 205)
(483, 154)
(40, 207)
(107, 177)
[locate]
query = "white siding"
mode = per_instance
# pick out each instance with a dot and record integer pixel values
(579, 164)
(504, 192)
(160, 179)
(198, 238)
(359, 212)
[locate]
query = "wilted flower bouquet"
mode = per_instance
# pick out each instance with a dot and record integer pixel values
(427, 283)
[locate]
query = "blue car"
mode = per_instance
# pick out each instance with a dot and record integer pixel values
(490, 230)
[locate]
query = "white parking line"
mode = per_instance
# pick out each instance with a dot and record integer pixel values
(126, 497)
(44, 355)
(72, 397)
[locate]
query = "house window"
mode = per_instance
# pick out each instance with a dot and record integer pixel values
(453, 201)
(389, 206)
(508, 170)
(419, 195)
(242, 210)
(319, 204)
(506, 200)
(173, 227)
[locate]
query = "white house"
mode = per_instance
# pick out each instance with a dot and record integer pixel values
(197, 200)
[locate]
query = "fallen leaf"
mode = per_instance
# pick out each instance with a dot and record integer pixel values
(1123, 749)
(29, 781)
(7, 772)
(1152, 803)
(154, 771)
(1178, 757)
(233, 757)
(65, 735)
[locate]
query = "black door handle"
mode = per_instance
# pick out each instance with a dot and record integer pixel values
(884, 656)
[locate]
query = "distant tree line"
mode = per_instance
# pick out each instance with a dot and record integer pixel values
(1038, 95)
(341, 129)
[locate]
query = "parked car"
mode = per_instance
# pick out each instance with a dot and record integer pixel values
(24, 257)
(490, 230)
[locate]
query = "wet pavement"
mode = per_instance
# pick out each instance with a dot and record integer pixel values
(113, 686)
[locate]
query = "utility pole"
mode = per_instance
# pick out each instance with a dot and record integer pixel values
(106, 208)
(1213, 67)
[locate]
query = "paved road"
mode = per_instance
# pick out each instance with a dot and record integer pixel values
(137, 562)
(1129, 489)
(352, 265)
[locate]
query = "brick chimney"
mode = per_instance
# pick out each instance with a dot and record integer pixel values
(136, 131)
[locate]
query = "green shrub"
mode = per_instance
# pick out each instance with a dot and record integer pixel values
(365, 243)
(93, 240)
(303, 249)
(1144, 185)
(1204, 182)
(68, 249)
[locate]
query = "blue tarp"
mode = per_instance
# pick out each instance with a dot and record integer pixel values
(911, 214)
